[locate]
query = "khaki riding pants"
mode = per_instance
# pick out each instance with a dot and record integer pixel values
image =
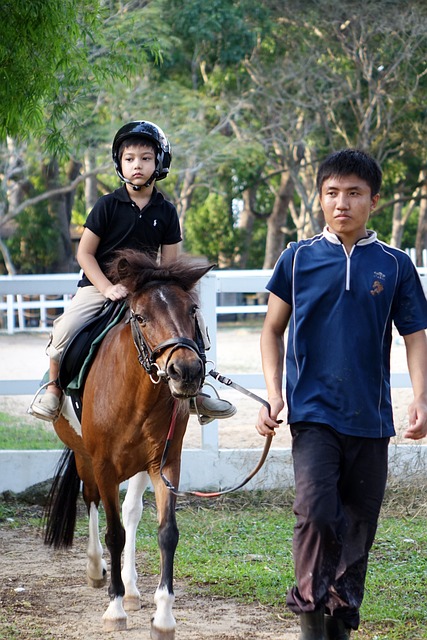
(84, 305)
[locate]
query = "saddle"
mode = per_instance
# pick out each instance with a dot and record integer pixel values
(81, 349)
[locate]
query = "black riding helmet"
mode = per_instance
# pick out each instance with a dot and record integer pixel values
(152, 132)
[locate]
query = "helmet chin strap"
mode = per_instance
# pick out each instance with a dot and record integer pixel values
(135, 187)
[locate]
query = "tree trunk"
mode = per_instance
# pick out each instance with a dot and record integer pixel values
(397, 226)
(246, 225)
(186, 193)
(91, 184)
(277, 220)
(16, 187)
(57, 210)
(73, 170)
(421, 239)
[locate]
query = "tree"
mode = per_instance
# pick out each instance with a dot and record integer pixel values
(252, 96)
(332, 77)
(59, 62)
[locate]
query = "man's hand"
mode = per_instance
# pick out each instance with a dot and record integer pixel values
(266, 423)
(417, 429)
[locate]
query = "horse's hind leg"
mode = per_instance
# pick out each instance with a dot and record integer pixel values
(163, 622)
(132, 511)
(96, 567)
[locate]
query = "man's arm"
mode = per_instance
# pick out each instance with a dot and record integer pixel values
(272, 354)
(416, 353)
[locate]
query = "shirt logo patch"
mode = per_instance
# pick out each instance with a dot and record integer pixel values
(378, 283)
(155, 223)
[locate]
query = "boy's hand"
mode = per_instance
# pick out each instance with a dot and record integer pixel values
(116, 292)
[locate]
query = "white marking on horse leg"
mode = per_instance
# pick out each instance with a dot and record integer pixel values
(96, 567)
(132, 511)
(163, 620)
(115, 618)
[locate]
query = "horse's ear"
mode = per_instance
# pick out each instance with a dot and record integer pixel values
(122, 267)
(209, 267)
(200, 269)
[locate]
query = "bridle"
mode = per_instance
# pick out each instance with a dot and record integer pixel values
(147, 356)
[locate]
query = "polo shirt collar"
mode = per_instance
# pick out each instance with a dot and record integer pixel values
(334, 239)
(122, 195)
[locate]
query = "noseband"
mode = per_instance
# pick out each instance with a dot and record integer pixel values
(147, 357)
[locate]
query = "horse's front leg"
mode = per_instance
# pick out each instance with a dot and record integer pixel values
(132, 511)
(114, 618)
(163, 622)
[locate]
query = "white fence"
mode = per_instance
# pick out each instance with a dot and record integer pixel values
(208, 468)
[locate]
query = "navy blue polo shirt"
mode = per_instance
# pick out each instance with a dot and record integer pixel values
(121, 224)
(340, 331)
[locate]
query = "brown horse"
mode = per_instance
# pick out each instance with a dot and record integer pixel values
(146, 369)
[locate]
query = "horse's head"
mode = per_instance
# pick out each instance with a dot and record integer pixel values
(163, 307)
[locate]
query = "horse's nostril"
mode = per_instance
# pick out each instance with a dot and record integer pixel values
(185, 371)
(173, 371)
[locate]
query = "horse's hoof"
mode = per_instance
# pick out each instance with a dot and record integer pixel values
(159, 634)
(131, 603)
(115, 618)
(117, 624)
(97, 583)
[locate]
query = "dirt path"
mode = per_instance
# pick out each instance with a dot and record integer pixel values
(43, 594)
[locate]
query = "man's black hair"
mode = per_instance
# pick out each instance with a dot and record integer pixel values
(350, 161)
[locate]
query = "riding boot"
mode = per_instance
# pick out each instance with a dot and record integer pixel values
(335, 629)
(312, 625)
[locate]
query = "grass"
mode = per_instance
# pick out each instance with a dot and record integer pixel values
(239, 546)
(17, 433)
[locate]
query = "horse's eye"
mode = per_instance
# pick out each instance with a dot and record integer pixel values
(141, 319)
(194, 309)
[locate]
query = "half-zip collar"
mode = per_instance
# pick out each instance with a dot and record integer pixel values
(334, 239)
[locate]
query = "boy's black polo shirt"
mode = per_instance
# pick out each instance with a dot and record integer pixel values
(120, 224)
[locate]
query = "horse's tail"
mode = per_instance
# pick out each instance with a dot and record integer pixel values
(61, 508)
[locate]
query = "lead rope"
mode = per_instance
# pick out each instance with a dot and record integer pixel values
(214, 494)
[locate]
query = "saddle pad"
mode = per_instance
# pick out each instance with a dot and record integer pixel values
(81, 349)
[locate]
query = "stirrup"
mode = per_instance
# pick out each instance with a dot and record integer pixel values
(36, 395)
(204, 420)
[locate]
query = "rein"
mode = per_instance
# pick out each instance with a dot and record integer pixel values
(214, 494)
(147, 359)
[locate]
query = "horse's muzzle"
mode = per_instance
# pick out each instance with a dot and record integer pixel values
(185, 377)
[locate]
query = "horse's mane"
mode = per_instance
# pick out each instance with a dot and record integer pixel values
(137, 270)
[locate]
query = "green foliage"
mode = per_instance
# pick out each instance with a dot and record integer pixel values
(34, 40)
(33, 247)
(223, 36)
(56, 57)
(38, 46)
(257, 244)
(209, 230)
